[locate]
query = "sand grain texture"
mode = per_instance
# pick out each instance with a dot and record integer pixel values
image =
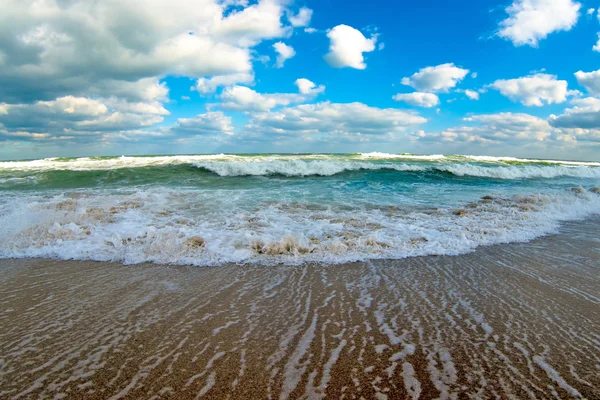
(508, 321)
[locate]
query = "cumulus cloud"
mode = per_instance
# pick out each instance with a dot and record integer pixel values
(534, 90)
(512, 126)
(23, 136)
(440, 78)
(530, 21)
(308, 87)
(145, 89)
(351, 119)
(242, 98)
(71, 115)
(589, 80)
(302, 18)
(75, 68)
(418, 99)
(209, 124)
(284, 52)
(51, 49)
(591, 11)
(471, 94)
(210, 85)
(597, 46)
(494, 129)
(252, 24)
(346, 47)
(585, 115)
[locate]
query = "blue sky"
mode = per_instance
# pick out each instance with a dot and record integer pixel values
(85, 78)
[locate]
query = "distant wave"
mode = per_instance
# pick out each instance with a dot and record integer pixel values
(304, 168)
(529, 161)
(310, 164)
(467, 158)
(298, 167)
(521, 172)
(388, 156)
(105, 163)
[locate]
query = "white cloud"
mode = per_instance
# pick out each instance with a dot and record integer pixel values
(251, 25)
(418, 99)
(346, 47)
(310, 30)
(585, 115)
(513, 126)
(80, 69)
(591, 11)
(532, 20)
(210, 85)
(597, 46)
(145, 89)
(80, 116)
(142, 108)
(284, 52)
(440, 78)
(23, 135)
(580, 135)
(494, 129)
(209, 124)
(589, 80)
(302, 18)
(308, 87)
(241, 98)
(333, 119)
(51, 49)
(534, 90)
(471, 94)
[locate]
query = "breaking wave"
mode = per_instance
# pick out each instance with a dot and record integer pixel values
(328, 168)
(192, 227)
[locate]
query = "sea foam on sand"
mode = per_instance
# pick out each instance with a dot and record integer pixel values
(505, 321)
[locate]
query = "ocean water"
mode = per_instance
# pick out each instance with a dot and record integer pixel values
(208, 210)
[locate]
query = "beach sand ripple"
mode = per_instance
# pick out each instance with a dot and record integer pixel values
(507, 321)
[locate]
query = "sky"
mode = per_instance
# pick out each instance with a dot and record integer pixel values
(115, 77)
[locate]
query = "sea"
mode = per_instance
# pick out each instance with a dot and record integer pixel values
(274, 209)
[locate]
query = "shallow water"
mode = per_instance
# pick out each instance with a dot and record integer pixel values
(507, 321)
(271, 209)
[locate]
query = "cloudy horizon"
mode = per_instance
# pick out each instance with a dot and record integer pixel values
(89, 78)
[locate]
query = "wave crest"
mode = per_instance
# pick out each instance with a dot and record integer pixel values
(303, 168)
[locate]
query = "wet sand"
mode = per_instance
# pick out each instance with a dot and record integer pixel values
(508, 321)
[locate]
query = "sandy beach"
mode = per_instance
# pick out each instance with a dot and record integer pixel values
(507, 321)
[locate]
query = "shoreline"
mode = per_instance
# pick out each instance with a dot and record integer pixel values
(517, 319)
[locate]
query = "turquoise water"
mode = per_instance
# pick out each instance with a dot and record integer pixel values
(268, 209)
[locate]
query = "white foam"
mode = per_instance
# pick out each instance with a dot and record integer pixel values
(212, 227)
(333, 167)
(388, 156)
(556, 377)
(520, 172)
(529, 160)
(297, 167)
(319, 165)
(90, 164)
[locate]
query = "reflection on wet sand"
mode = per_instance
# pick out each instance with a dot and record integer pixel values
(509, 321)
